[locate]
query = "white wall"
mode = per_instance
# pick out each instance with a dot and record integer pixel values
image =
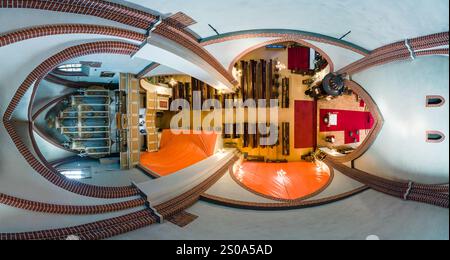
(400, 90)
(47, 91)
(172, 54)
(50, 151)
(373, 22)
(163, 70)
(226, 52)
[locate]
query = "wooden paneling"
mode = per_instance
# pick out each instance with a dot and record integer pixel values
(130, 85)
(152, 133)
(285, 139)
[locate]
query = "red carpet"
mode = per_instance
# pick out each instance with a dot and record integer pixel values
(288, 181)
(348, 121)
(305, 124)
(178, 152)
(351, 137)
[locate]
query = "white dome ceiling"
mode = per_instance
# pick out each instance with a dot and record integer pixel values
(373, 23)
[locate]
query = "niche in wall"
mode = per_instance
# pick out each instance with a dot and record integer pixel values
(435, 101)
(435, 137)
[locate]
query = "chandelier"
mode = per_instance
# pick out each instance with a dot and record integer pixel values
(237, 73)
(280, 66)
(173, 82)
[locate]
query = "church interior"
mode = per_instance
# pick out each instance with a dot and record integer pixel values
(157, 120)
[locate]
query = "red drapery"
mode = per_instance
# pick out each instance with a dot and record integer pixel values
(298, 58)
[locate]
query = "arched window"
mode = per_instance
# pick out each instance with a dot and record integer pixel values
(72, 69)
(435, 137)
(435, 101)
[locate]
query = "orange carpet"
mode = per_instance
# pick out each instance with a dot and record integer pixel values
(178, 152)
(287, 181)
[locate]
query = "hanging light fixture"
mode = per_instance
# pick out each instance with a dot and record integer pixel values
(280, 66)
(173, 82)
(237, 73)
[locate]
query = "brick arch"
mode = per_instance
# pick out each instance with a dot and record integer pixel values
(296, 39)
(58, 29)
(277, 33)
(68, 209)
(125, 15)
(92, 231)
(433, 44)
(181, 38)
(434, 194)
(99, 8)
(34, 78)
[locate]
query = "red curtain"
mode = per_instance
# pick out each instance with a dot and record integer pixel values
(298, 58)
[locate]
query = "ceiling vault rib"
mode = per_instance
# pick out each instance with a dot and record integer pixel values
(436, 195)
(43, 168)
(276, 33)
(172, 28)
(152, 66)
(402, 50)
